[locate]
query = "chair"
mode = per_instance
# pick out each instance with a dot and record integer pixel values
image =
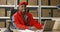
(11, 21)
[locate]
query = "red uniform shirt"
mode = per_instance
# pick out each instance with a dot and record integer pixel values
(19, 22)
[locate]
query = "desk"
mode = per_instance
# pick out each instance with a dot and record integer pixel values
(57, 23)
(26, 30)
(14, 30)
(2, 29)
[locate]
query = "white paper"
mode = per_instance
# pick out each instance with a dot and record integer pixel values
(25, 30)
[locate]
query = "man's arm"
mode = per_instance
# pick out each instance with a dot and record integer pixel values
(34, 23)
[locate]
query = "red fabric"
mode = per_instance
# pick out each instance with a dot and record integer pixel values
(19, 22)
(21, 3)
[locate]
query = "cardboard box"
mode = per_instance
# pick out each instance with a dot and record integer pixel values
(46, 12)
(2, 24)
(56, 13)
(48, 25)
(8, 13)
(55, 2)
(44, 2)
(42, 22)
(10, 2)
(2, 2)
(32, 2)
(23, 0)
(2, 12)
(34, 12)
(7, 23)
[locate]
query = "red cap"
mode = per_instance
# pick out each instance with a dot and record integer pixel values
(21, 3)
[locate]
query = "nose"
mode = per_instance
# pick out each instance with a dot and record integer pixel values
(24, 8)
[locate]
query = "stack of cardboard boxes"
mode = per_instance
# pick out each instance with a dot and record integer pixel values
(33, 12)
(2, 12)
(56, 13)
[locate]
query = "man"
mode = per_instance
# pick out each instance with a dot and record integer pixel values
(23, 19)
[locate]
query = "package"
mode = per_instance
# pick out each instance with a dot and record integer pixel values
(32, 2)
(46, 12)
(56, 13)
(55, 2)
(23, 0)
(2, 24)
(34, 12)
(8, 13)
(10, 2)
(2, 12)
(44, 2)
(49, 24)
(2, 2)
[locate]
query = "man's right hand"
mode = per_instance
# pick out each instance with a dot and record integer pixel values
(33, 28)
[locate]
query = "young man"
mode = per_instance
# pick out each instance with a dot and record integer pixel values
(23, 19)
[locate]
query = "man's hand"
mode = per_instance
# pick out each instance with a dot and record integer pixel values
(33, 28)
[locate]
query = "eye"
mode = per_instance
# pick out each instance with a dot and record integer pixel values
(21, 6)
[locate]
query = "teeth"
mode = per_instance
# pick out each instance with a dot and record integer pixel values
(23, 10)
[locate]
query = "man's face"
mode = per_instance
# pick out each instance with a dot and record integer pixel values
(22, 8)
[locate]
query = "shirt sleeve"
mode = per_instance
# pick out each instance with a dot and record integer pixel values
(34, 23)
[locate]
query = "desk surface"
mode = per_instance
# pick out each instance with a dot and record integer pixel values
(26, 30)
(14, 30)
(2, 29)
